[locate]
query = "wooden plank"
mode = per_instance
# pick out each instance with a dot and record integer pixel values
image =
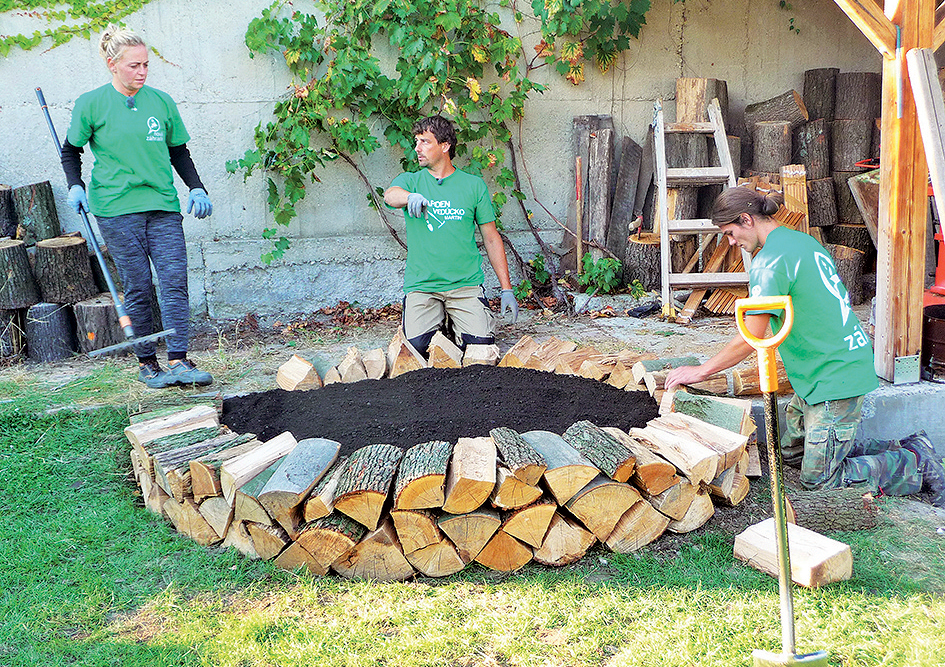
(794, 184)
(930, 108)
(599, 168)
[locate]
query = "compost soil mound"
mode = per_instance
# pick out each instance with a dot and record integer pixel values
(437, 404)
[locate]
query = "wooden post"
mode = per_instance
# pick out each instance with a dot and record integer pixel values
(7, 212)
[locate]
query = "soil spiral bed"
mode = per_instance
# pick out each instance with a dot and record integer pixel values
(438, 404)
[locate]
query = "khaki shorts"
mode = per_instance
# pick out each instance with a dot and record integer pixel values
(459, 311)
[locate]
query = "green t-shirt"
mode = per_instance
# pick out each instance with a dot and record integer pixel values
(441, 248)
(132, 169)
(827, 355)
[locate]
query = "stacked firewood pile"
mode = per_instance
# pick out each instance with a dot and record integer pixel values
(51, 299)
(501, 499)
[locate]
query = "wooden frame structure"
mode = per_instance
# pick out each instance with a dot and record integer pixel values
(894, 28)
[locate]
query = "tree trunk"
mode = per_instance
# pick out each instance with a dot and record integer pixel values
(642, 260)
(813, 148)
(820, 92)
(859, 95)
(772, 145)
(62, 270)
(821, 202)
(853, 236)
(694, 95)
(850, 263)
(848, 213)
(18, 288)
(7, 213)
(50, 332)
(12, 333)
(830, 510)
(97, 324)
(851, 141)
(787, 106)
(36, 212)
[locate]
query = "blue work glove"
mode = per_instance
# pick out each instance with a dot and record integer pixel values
(200, 203)
(509, 302)
(416, 202)
(77, 199)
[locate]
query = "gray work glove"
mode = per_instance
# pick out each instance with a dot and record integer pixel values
(77, 199)
(416, 202)
(199, 202)
(509, 302)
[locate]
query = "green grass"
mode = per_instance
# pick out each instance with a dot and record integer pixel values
(88, 577)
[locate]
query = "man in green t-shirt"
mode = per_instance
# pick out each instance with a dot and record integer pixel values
(443, 278)
(827, 356)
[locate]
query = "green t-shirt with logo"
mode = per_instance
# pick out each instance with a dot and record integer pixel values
(132, 168)
(827, 355)
(441, 247)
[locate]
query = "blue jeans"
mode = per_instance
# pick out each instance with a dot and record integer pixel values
(135, 241)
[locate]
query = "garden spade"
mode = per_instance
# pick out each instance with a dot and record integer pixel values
(123, 319)
(768, 376)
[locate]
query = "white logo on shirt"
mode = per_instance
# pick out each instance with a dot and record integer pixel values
(828, 274)
(154, 130)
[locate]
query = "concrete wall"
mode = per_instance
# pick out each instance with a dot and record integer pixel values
(340, 249)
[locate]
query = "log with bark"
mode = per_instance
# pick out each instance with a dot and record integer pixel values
(728, 444)
(50, 332)
(644, 366)
(821, 202)
(848, 213)
(205, 471)
(7, 212)
(172, 467)
(850, 264)
(416, 529)
(246, 505)
(608, 454)
(851, 236)
(697, 461)
(321, 502)
(850, 140)
(567, 470)
(62, 270)
(787, 106)
(18, 289)
(240, 469)
(504, 553)
(421, 476)
(269, 540)
(642, 260)
(297, 474)
(97, 323)
(365, 483)
(674, 502)
(820, 92)
(639, 525)
(772, 145)
(732, 414)
(519, 456)
(511, 492)
(237, 537)
(858, 95)
(865, 190)
(746, 381)
(652, 474)
(813, 148)
(329, 538)
(829, 510)
(36, 212)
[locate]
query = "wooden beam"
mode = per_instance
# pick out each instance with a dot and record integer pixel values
(938, 35)
(869, 18)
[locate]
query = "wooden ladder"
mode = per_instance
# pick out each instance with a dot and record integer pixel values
(692, 177)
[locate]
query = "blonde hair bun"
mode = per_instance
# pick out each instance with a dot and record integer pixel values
(115, 40)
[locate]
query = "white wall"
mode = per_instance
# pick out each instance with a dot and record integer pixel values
(340, 249)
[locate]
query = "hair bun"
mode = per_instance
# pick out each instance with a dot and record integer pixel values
(772, 202)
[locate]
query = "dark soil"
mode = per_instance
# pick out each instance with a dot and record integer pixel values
(437, 404)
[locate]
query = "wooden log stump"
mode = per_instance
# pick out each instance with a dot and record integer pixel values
(471, 531)
(851, 141)
(601, 503)
(520, 457)
(820, 92)
(530, 524)
(813, 148)
(611, 456)
(787, 106)
(8, 221)
(850, 264)
(376, 557)
(100, 281)
(821, 202)
(12, 333)
(642, 260)
(565, 542)
(97, 323)
(771, 145)
(639, 525)
(421, 476)
(330, 538)
(471, 476)
(504, 553)
(568, 471)
(851, 236)
(366, 481)
(62, 270)
(848, 213)
(858, 95)
(439, 559)
(18, 288)
(50, 332)
(36, 212)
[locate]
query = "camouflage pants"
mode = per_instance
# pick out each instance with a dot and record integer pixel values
(822, 437)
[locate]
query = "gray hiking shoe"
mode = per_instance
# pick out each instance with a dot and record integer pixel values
(930, 466)
(151, 374)
(183, 372)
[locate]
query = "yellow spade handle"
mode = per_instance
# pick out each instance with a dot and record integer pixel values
(767, 366)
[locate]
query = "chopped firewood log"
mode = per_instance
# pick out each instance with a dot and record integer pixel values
(205, 471)
(816, 560)
(594, 369)
(486, 355)
(421, 476)
(504, 553)
(519, 353)
(519, 457)
(834, 509)
(330, 538)
(639, 525)
(188, 521)
(728, 444)
(332, 376)
(237, 537)
(602, 449)
(351, 368)
(652, 474)
(444, 353)
(295, 556)
(754, 461)
(298, 374)
(621, 375)
(470, 532)
(269, 540)
(714, 384)
(511, 492)
(416, 529)
(240, 469)
(375, 363)
(294, 479)
(529, 524)
(439, 559)
(471, 477)
(322, 500)
(739, 490)
(700, 510)
(402, 356)
(365, 482)
(644, 366)
(565, 542)
(570, 363)
(746, 381)
(545, 358)
(601, 503)
(696, 461)
(568, 470)
(732, 414)
(199, 416)
(172, 468)
(171, 443)
(217, 513)
(246, 505)
(153, 495)
(674, 502)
